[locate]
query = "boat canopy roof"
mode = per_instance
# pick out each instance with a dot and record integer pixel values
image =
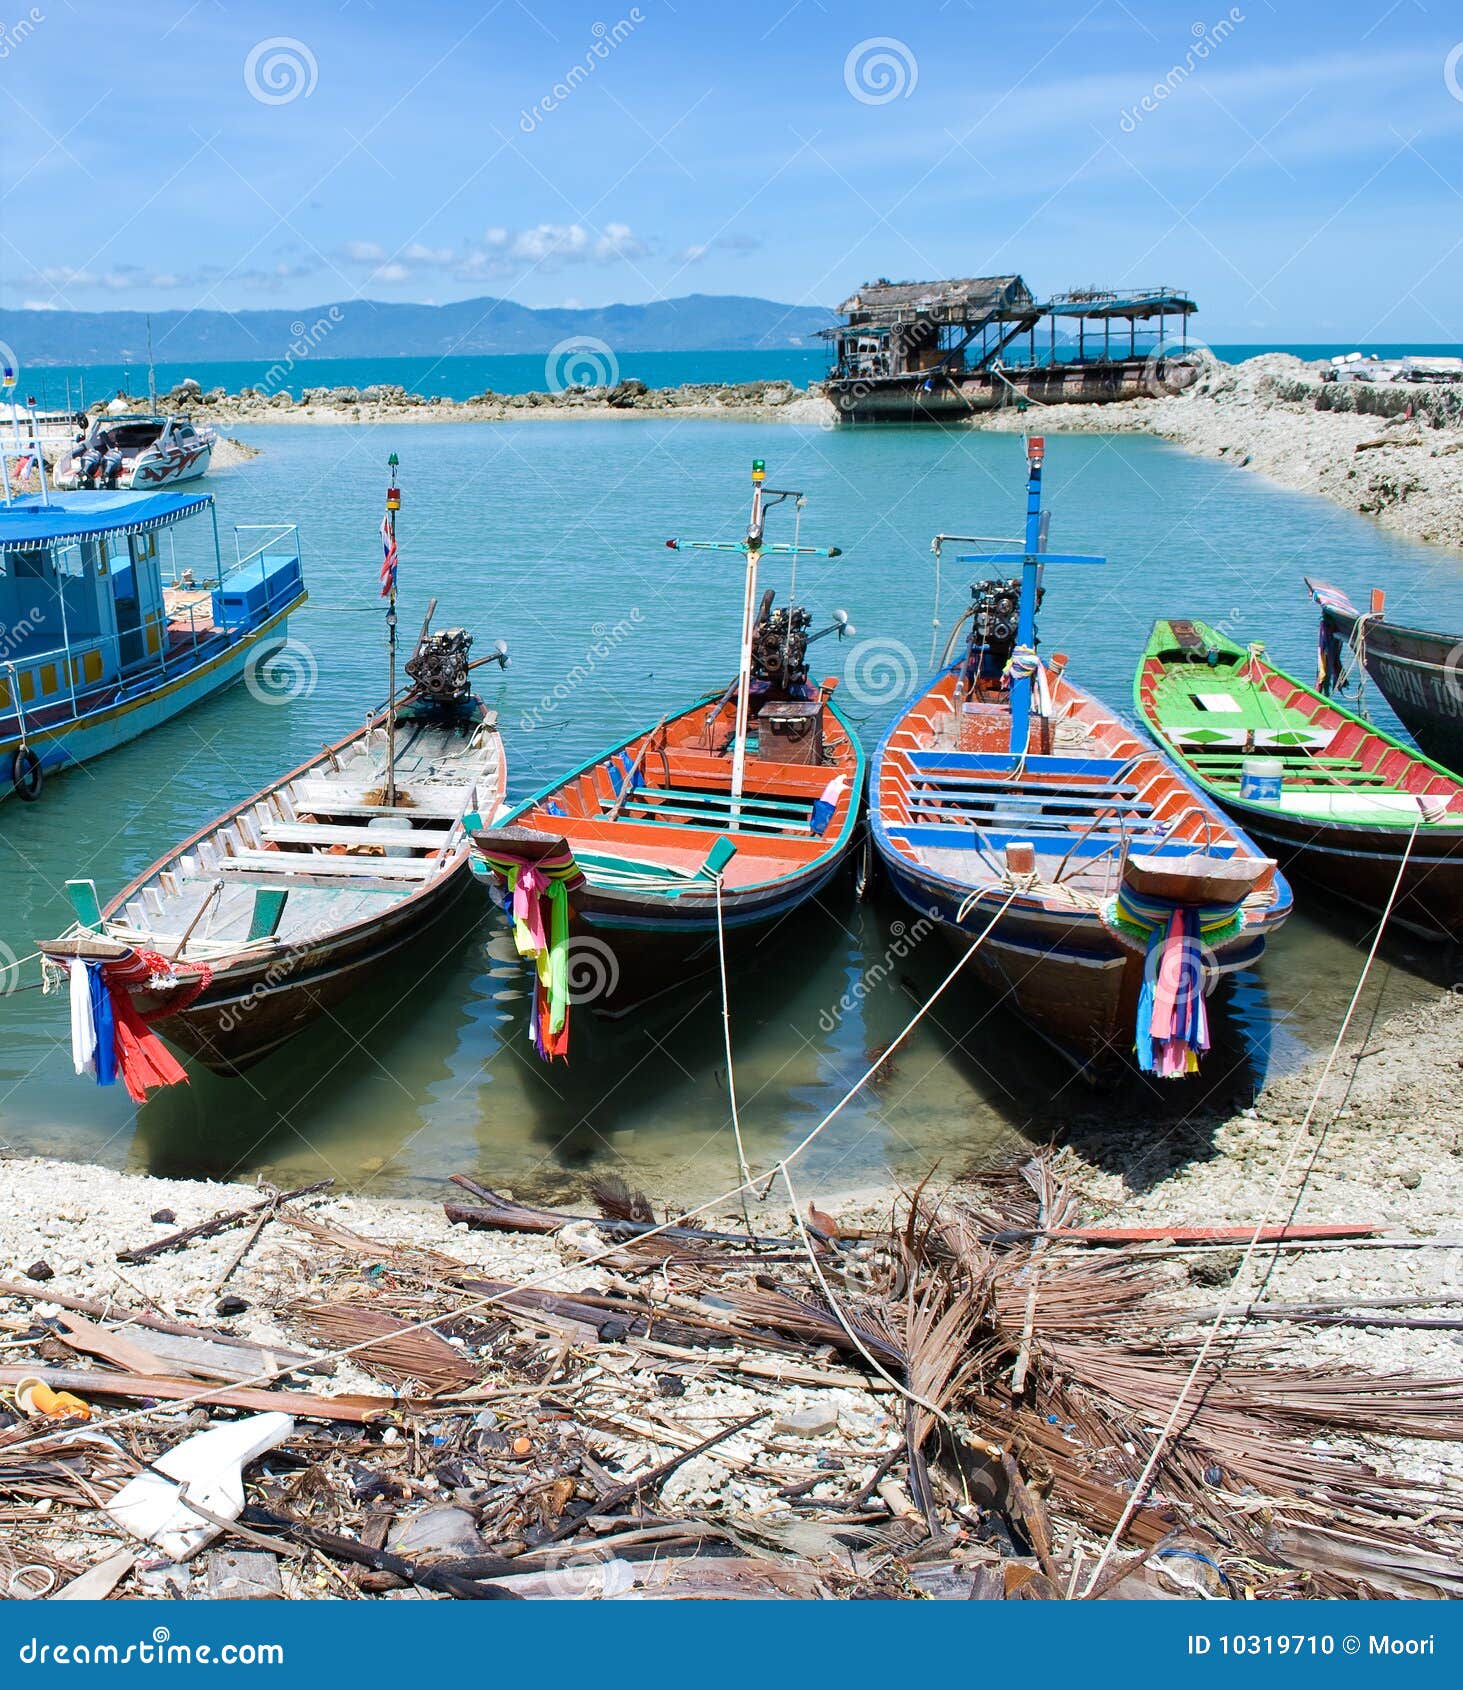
(82, 515)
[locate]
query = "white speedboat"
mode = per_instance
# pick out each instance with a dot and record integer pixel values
(136, 452)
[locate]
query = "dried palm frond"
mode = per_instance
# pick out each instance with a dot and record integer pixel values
(619, 1201)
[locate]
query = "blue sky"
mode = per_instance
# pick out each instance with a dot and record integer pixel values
(1301, 171)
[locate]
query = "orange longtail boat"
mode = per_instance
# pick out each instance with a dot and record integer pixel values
(693, 837)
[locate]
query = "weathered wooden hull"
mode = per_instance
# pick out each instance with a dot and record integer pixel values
(1068, 978)
(1056, 961)
(632, 939)
(253, 1008)
(257, 995)
(1420, 675)
(1353, 805)
(627, 951)
(945, 399)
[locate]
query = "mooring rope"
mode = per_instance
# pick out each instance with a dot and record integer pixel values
(1140, 1487)
(731, 1075)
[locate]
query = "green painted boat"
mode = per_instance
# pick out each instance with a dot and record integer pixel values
(1335, 798)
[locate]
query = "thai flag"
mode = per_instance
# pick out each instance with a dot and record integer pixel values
(826, 804)
(388, 563)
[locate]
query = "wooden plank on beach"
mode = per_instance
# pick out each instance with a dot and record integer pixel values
(86, 1382)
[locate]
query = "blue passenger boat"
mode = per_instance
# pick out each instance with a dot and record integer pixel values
(117, 612)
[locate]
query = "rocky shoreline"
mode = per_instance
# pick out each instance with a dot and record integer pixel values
(1393, 453)
(1387, 1139)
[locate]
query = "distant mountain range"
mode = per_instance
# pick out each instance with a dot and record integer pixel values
(366, 328)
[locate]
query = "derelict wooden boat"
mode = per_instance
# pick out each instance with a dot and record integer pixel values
(1118, 892)
(747, 800)
(1330, 794)
(1420, 674)
(274, 913)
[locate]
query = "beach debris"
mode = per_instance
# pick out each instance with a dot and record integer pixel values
(35, 1397)
(387, 1345)
(179, 1502)
(40, 1271)
(961, 1411)
(236, 1575)
(436, 1534)
(220, 1223)
(98, 1582)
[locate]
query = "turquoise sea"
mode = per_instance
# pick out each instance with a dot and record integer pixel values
(551, 535)
(461, 378)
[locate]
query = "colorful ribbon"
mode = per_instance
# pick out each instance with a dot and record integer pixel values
(122, 1041)
(1172, 1030)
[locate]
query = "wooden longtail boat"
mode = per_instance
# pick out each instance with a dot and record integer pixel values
(709, 827)
(1119, 894)
(237, 939)
(1331, 795)
(274, 913)
(1420, 674)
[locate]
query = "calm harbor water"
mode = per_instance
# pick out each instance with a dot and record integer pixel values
(551, 535)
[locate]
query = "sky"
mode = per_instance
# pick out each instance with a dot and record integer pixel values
(1297, 167)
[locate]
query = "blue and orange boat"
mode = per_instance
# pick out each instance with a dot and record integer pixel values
(1006, 797)
(697, 834)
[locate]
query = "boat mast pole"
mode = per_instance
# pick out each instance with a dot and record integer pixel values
(393, 504)
(1026, 615)
(749, 612)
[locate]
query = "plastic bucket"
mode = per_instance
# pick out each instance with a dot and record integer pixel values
(1260, 779)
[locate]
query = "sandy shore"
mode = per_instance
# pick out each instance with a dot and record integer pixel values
(1385, 1143)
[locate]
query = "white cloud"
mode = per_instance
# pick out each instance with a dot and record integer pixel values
(501, 251)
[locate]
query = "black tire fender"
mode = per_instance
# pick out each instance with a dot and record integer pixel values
(26, 775)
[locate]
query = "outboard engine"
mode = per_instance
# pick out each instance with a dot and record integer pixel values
(995, 615)
(780, 645)
(439, 666)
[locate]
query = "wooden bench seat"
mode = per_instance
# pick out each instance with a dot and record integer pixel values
(337, 833)
(323, 869)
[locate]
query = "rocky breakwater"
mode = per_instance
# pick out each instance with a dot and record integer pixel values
(1393, 452)
(745, 401)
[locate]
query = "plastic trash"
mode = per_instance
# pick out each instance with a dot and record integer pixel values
(211, 1467)
(35, 1397)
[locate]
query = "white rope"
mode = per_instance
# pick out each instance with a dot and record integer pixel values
(731, 1075)
(550, 1276)
(1139, 1489)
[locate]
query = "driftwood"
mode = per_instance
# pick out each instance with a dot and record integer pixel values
(1277, 1234)
(379, 1560)
(632, 1488)
(87, 1382)
(497, 1214)
(219, 1223)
